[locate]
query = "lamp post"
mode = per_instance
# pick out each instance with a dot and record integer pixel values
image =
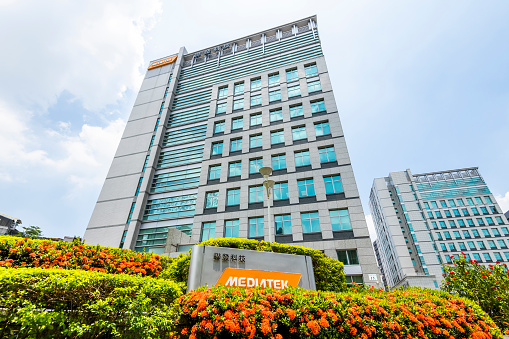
(266, 171)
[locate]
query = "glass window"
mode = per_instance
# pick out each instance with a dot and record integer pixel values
(238, 104)
(222, 92)
(481, 245)
(322, 128)
(493, 209)
(255, 141)
(487, 256)
(348, 257)
(279, 161)
(447, 213)
(451, 203)
(477, 256)
(470, 222)
(438, 214)
(296, 111)
(293, 91)
(442, 203)
(239, 88)
(208, 230)
(486, 233)
(306, 188)
(318, 106)
(214, 172)
(444, 248)
(439, 236)
(310, 222)
(456, 234)
(475, 233)
(314, 86)
(217, 148)
(276, 115)
(460, 202)
(434, 204)
(273, 79)
(461, 222)
(299, 133)
(274, 95)
(452, 223)
(283, 224)
(219, 127)
(501, 243)
(475, 211)
(280, 191)
(466, 234)
(462, 246)
(447, 235)
(277, 137)
(451, 246)
(499, 220)
(256, 84)
(255, 119)
(211, 199)
(491, 244)
(340, 220)
(256, 100)
(456, 212)
(327, 154)
(221, 108)
(311, 70)
(233, 197)
(236, 145)
(302, 158)
(255, 165)
(478, 200)
(464, 211)
(426, 205)
(231, 228)
(488, 200)
(235, 168)
(480, 221)
(489, 220)
(237, 123)
(333, 184)
(442, 224)
(256, 227)
(434, 224)
(470, 201)
(291, 74)
(497, 255)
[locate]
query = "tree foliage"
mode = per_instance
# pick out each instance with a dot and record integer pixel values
(32, 231)
(488, 286)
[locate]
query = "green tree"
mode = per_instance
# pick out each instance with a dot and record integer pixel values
(32, 231)
(488, 286)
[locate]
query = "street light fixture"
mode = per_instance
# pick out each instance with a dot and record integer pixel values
(269, 184)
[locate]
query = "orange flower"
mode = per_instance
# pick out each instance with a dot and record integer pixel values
(313, 326)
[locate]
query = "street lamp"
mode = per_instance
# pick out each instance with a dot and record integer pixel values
(266, 171)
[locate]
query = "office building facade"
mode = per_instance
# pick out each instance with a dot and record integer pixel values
(422, 220)
(202, 126)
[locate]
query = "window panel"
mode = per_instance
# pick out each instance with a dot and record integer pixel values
(279, 161)
(222, 92)
(302, 158)
(208, 230)
(276, 115)
(327, 154)
(255, 141)
(333, 184)
(255, 165)
(256, 100)
(211, 199)
(306, 188)
(221, 108)
(296, 111)
(256, 228)
(239, 88)
(233, 197)
(231, 228)
(273, 79)
(238, 104)
(256, 84)
(292, 74)
(255, 194)
(237, 123)
(214, 172)
(236, 145)
(310, 222)
(311, 70)
(235, 169)
(277, 137)
(280, 191)
(255, 119)
(217, 148)
(348, 257)
(274, 95)
(340, 220)
(318, 106)
(283, 224)
(299, 133)
(322, 128)
(293, 91)
(314, 86)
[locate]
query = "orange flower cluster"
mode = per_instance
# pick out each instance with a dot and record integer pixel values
(22, 252)
(297, 313)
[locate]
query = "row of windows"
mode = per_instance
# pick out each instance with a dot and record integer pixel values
(275, 115)
(476, 256)
(469, 222)
(306, 188)
(472, 246)
(278, 161)
(455, 193)
(458, 202)
(458, 182)
(273, 79)
(475, 233)
(274, 96)
(340, 220)
(276, 137)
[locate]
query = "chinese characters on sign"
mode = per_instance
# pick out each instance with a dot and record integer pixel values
(230, 257)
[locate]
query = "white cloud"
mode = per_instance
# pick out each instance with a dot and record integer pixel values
(503, 201)
(371, 227)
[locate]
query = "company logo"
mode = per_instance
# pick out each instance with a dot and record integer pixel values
(162, 62)
(239, 277)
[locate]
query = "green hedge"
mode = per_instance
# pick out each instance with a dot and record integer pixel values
(24, 252)
(57, 303)
(226, 312)
(329, 274)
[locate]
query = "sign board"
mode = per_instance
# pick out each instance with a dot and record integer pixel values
(373, 277)
(214, 266)
(162, 62)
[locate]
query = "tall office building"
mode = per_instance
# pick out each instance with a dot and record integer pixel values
(422, 220)
(202, 126)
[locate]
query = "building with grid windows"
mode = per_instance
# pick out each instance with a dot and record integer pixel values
(422, 220)
(203, 125)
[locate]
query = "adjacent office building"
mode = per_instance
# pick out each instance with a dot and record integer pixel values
(422, 220)
(203, 125)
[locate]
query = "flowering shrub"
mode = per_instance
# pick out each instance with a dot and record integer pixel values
(23, 252)
(329, 274)
(296, 313)
(488, 286)
(56, 303)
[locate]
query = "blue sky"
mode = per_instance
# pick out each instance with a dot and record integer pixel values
(420, 84)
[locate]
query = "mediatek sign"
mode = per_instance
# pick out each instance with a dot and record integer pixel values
(214, 266)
